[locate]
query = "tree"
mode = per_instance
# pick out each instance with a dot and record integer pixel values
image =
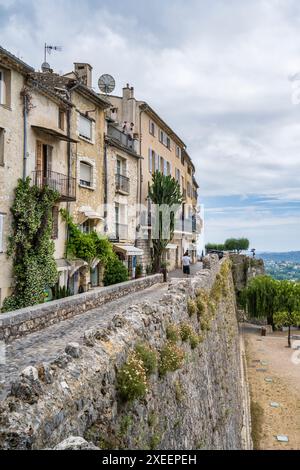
(287, 306)
(164, 193)
(259, 298)
(214, 246)
(236, 244)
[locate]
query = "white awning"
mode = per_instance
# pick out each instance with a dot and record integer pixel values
(129, 250)
(171, 246)
(90, 213)
(77, 264)
(62, 265)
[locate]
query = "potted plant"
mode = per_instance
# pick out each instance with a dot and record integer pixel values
(138, 271)
(164, 270)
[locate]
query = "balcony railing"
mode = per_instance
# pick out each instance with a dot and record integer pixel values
(121, 231)
(122, 183)
(124, 139)
(66, 186)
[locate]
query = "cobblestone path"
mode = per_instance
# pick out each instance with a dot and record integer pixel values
(45, 345)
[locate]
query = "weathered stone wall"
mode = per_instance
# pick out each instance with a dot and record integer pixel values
(24, 321)
(245, 268)
(197, 406)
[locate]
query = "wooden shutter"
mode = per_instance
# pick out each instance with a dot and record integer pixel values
(39, 150)
(150, 160)
(1, 232)
(49, 158)
(54, 234)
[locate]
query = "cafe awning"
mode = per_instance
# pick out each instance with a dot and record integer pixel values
(129, 250)
(53, 133)
(171, 246)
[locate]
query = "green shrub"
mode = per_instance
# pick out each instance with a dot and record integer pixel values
(171, 358)
(172, 333)
(186, 331)
(191, 307)
(148, 356)
(131, 379)
(115, 272)
(194, 340)
(138, 270)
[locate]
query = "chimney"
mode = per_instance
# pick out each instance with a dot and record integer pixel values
(128, 92)
(84, 72)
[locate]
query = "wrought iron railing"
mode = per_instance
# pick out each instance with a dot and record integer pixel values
(66, 186)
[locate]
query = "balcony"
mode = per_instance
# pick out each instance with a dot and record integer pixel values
(122, 184)
(125, 140)
(56, 181)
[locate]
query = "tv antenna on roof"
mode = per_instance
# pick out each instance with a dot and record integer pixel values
(47, 50)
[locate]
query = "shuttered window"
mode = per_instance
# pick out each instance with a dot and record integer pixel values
(1, 232)
(150, 160)
(2, 131)
(2, 88)
(54, 234)
(85, 174)
(85, 127)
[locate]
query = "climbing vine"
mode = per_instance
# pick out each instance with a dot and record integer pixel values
(86, 246)
(30, 245)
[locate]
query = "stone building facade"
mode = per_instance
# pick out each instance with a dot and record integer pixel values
(161, 150)
(34, 145)
(122, 163)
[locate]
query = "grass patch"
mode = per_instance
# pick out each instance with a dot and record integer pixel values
(171, 358)
(148, 356)
(257, 414)
(132, 379)
(172, 333)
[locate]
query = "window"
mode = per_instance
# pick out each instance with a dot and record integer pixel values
(54, 234)
(153, 161)
(168, 168)
(61, 119)
(189, 190)
(189, 170)
(1, 232)
(178, 151)
(85, 127)
(121, 168)
(2, 131)
(164, 139)
(86, 172)
(87, 226)
(162, 165)
(151, 128)
(5, 87)
(177, 175)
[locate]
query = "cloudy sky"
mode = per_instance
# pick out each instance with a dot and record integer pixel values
(225, 74)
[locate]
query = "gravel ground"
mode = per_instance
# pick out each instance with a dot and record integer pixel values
(272, 354)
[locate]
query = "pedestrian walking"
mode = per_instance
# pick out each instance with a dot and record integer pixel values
(186, 262)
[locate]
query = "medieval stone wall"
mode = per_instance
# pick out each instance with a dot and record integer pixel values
(197, 406)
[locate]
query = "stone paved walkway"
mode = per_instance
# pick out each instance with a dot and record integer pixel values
(45, 345)
(179, 274)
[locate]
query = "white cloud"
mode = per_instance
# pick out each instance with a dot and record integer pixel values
(218, 72)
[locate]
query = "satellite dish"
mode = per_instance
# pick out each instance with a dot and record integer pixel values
(106, 83)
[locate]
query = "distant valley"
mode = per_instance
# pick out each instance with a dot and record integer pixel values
(282, 266)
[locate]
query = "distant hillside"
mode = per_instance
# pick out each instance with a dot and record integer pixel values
(282, 265)
(289, 256)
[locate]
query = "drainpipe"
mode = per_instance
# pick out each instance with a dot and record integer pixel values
(25, 136)
(105, 186)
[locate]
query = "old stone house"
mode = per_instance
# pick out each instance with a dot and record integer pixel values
(87, 123)
(162, 150)
(34, 144)
(122, 166)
